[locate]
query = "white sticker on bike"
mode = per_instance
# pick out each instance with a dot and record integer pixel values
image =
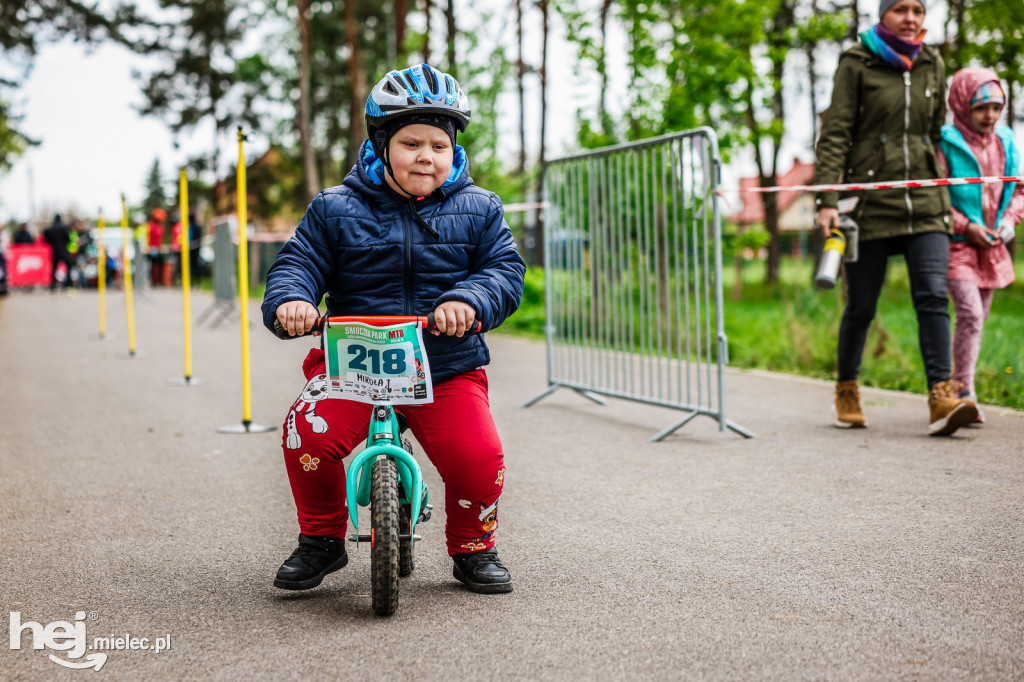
(377, 364)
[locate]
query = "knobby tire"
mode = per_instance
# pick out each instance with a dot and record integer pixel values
(405, 561)
(385, 517)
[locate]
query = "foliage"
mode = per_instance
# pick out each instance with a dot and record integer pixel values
(13, 142)
(156, 195)
(201, 60)
(529, 319)
(718, 63)
(26, 24)
(483, 82)
(997, 40)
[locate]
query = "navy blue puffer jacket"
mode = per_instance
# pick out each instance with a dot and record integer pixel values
(361, 246)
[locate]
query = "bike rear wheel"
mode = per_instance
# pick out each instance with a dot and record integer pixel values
(385, 518)
(405, 560)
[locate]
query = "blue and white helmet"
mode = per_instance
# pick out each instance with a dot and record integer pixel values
(418, 89)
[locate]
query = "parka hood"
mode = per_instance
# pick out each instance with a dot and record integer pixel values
(965, 84)
(372, 167)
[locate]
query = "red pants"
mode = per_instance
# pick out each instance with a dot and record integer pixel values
(457, 434)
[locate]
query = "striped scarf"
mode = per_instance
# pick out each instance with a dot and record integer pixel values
(897, 53)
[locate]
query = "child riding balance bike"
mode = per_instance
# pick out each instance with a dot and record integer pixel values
(406, 233)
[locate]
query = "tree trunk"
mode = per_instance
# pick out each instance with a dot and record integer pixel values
(602, 67)
(1011, 113)
(851, 35)
(737, 262)
(543, 73)
(357, 85)
(428, 7)
(305, 114)
(959, 9)
(520, 73)
(778, 39)
(401, 13)
(634, 78)
(812, 77)
(449, 14)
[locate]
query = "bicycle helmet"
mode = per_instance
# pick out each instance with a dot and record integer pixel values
(416, 90)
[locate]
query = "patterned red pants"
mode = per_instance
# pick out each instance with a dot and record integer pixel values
(457, 434)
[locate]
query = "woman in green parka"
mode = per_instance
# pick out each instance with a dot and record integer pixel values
(884, 123)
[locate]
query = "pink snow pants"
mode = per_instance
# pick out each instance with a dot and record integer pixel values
(971, 305)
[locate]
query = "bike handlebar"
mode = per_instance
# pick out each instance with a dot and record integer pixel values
(424, 321)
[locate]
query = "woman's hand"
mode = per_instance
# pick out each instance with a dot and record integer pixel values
(978, 235)
(453, 318)
(297, 317)
(827, 219)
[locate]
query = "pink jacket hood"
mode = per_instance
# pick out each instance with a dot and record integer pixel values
(965, 83)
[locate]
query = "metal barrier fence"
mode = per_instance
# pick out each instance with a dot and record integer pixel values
(225, 271)
(633, 276)
(263, 249)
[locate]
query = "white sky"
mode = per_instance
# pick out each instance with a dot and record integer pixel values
(94, 145)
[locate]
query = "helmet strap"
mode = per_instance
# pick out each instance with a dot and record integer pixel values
(385, 157)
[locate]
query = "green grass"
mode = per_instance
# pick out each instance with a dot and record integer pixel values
(792, 327)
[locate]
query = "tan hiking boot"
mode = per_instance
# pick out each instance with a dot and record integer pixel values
(846, 411)
(949, 411)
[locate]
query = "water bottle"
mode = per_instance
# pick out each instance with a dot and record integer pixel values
(831, 258)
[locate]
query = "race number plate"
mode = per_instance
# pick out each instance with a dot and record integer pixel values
(378, 364)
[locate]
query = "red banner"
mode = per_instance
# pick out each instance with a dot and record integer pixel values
(28, 265)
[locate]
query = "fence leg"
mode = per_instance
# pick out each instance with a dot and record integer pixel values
(591, 396)
(550, 389)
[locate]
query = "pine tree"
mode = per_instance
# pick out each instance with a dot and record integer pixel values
(156, 196)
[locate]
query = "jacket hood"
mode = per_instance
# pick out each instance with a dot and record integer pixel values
(371, 168)
(965, 83)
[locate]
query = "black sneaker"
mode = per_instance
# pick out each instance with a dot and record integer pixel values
(482, 572)
(310, 562)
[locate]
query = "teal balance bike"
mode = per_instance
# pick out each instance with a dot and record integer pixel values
(385, 477)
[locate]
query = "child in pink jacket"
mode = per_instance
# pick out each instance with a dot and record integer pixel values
(984, 216)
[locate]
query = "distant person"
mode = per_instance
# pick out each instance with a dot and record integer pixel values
(195, 237)
(174, 257)
(155, 234)
(884, 123)
(80, 243)
(58, 237)
(984, 216)
(5, 242)
(23, 236)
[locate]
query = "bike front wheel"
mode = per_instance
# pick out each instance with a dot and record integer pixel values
(384, 520)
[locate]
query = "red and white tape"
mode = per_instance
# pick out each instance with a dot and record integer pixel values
(894, 184)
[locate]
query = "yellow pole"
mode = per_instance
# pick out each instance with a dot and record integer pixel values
(186, 275)
(127, 265)
(243, 278)
(101, 275)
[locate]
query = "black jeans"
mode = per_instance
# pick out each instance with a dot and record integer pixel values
(927, 256)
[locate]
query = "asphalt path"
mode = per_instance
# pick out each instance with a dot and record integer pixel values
(807, 553)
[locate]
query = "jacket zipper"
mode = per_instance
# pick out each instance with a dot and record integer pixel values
(906, 150)
(407, 270)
